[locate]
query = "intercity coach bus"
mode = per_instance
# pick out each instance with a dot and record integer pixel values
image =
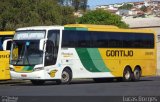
(63, 53)
(4, 55)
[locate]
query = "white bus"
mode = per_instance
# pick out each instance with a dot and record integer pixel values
(81, 51)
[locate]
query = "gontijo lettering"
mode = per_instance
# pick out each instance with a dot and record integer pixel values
(119, 53)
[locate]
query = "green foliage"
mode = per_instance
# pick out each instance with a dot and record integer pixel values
(126, 6)
(21, 13)
(68, 17)
(102, 17)
(143, 8)
(79, 4)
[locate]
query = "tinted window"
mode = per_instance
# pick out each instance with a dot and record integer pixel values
(2, 38)
(52, 47)
(106, 39)
(99, 39)
(115, 40)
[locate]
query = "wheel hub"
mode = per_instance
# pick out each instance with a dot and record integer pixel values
(65, 77)
(127, 75)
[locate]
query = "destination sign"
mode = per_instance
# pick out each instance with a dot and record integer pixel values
(29, 35)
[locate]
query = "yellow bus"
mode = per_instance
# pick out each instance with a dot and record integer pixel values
(63, 53)
(4, 55)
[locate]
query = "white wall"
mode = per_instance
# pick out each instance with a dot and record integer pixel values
(158, 50)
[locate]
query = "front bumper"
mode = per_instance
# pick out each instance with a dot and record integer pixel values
(36, 75)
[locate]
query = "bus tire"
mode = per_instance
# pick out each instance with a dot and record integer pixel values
(127, 74)
(136, 74)
(66, 77)
(37, 82)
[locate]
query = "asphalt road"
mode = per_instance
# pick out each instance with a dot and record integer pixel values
(145, 87)
(145, 90)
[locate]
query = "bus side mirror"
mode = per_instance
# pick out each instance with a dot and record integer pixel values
(7, 44)
(41, 44)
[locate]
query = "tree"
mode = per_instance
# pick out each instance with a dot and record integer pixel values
(84, 5)
(143, 8)
(102, 17)
(79, 4)
(67, 15)
(65, 2)
(22, 13)
(76, 4)
(126, 6)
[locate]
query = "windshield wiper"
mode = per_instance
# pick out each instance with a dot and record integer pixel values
(26, 54)
(19, 59)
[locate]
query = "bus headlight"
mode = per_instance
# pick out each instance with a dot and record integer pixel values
(11, 69)
(39, 68)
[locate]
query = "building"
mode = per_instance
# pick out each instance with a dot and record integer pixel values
(152, 8)
(124, 12)
(105, 7)
(138, 4)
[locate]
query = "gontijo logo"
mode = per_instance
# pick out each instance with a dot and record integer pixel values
(52, 73)
(119, 53)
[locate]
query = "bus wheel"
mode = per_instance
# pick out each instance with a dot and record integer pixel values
(127, 74)
(66, 77)
(37, 82)
(137, 74)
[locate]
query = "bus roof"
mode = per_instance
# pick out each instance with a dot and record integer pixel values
(92, 26)
(7, 32)
(89, 27)
(110, 28)
(41, 28)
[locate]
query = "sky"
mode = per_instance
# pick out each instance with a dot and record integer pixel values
(93, 3)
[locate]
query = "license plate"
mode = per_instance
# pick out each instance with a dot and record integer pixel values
(23, 75)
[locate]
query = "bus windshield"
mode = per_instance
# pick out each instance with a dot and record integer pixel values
(26, 53)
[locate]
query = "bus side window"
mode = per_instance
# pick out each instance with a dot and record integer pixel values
(9, 45)
(49, 56)
(2, 39)
(52, 47)
(1, 48)
(1, 43)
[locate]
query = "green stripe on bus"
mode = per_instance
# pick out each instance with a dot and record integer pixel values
(28, 68)
(75, 28)
(86, 60)
(91, 59)
(97, 59)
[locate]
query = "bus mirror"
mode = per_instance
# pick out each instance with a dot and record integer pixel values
(7, 44)
(41, 44)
